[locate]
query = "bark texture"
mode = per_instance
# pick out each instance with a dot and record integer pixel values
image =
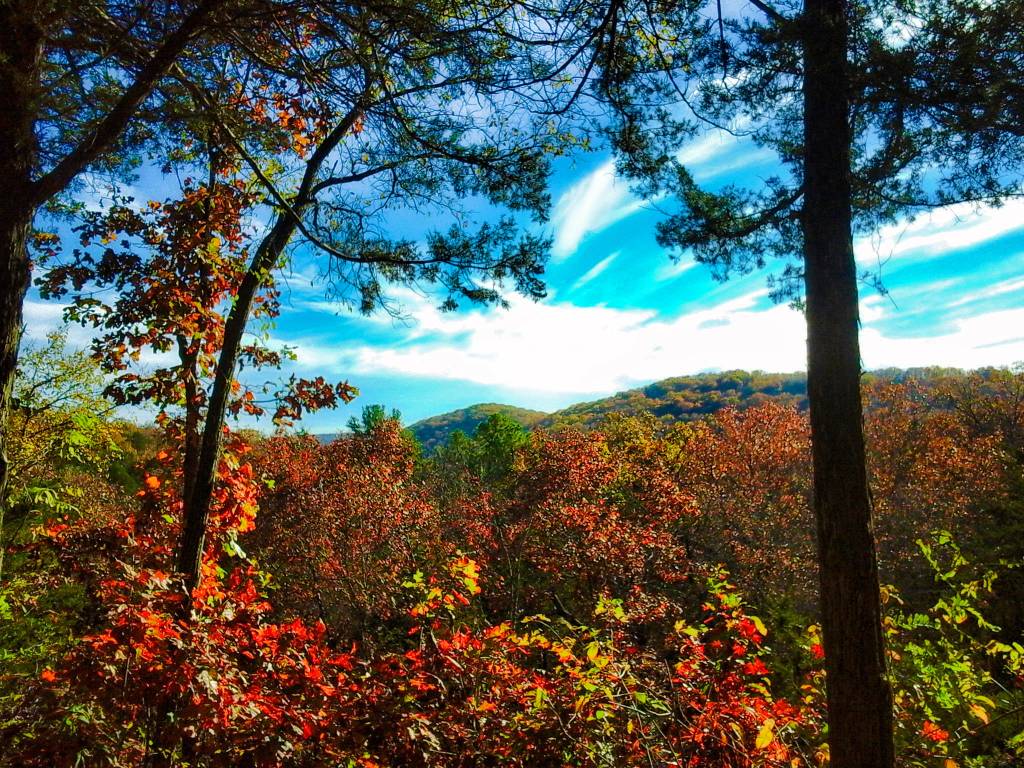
(200, 490)
(21, 44)
(858, 692)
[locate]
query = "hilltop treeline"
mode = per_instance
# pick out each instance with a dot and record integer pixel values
(680, 398)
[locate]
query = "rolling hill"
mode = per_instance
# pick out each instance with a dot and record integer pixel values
(680, 398)
(436, 430)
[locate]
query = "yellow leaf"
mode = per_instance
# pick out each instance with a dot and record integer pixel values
(766, 735)
(979, 712)
(759, 625)
(950, 763)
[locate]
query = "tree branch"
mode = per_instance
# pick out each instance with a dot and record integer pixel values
(100, 139)
(768, 11)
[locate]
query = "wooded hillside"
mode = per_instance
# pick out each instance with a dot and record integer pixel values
(681, 398)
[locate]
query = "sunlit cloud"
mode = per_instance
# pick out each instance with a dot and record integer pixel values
(560, 347)
(988, 339)
(595, 270)
(566, 348)
(946, 229)
(593, 203)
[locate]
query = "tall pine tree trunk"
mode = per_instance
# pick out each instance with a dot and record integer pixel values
(21, 44)
(858, 692)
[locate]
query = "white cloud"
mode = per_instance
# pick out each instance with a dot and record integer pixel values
(97, 193)
(593, 203)
(41, 317)
(601, 198)
(562, 348)
(718, 151)
(999, 289)
(566, 348)
(945, 229)
(595, 270)
(673, 269)
(992, 338)
(302, 280)
(918, 290)
(872, 308)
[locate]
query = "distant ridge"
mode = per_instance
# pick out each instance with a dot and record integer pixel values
(681, 398)
(678, 398)
(436, 430)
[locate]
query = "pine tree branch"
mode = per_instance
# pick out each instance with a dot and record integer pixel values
(104, 135)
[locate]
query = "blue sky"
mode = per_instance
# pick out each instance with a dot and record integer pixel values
(620, 313)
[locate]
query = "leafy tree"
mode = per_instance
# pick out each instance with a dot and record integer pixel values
(376, 141)
(73, 81)
(434, 431)
(58, 431)
(373, 418)
(165, 272)
(62, 445)
(366, 111)
(98, 86)
(338, 523)
(500, 438)
(749, 472)
(641, 653)
(489, 456)
(850, 110)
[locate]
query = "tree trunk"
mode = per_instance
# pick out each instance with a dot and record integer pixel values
(857, 689)
(193, 418)
(197, 503)
(21, 43)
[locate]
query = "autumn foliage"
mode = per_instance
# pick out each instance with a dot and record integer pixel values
(556, 604)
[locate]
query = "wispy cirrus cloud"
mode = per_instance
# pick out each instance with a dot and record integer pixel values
(601, 198)
(595, 202)
(670, 270)
(595, 270)
(999, 289)
(946, 229)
